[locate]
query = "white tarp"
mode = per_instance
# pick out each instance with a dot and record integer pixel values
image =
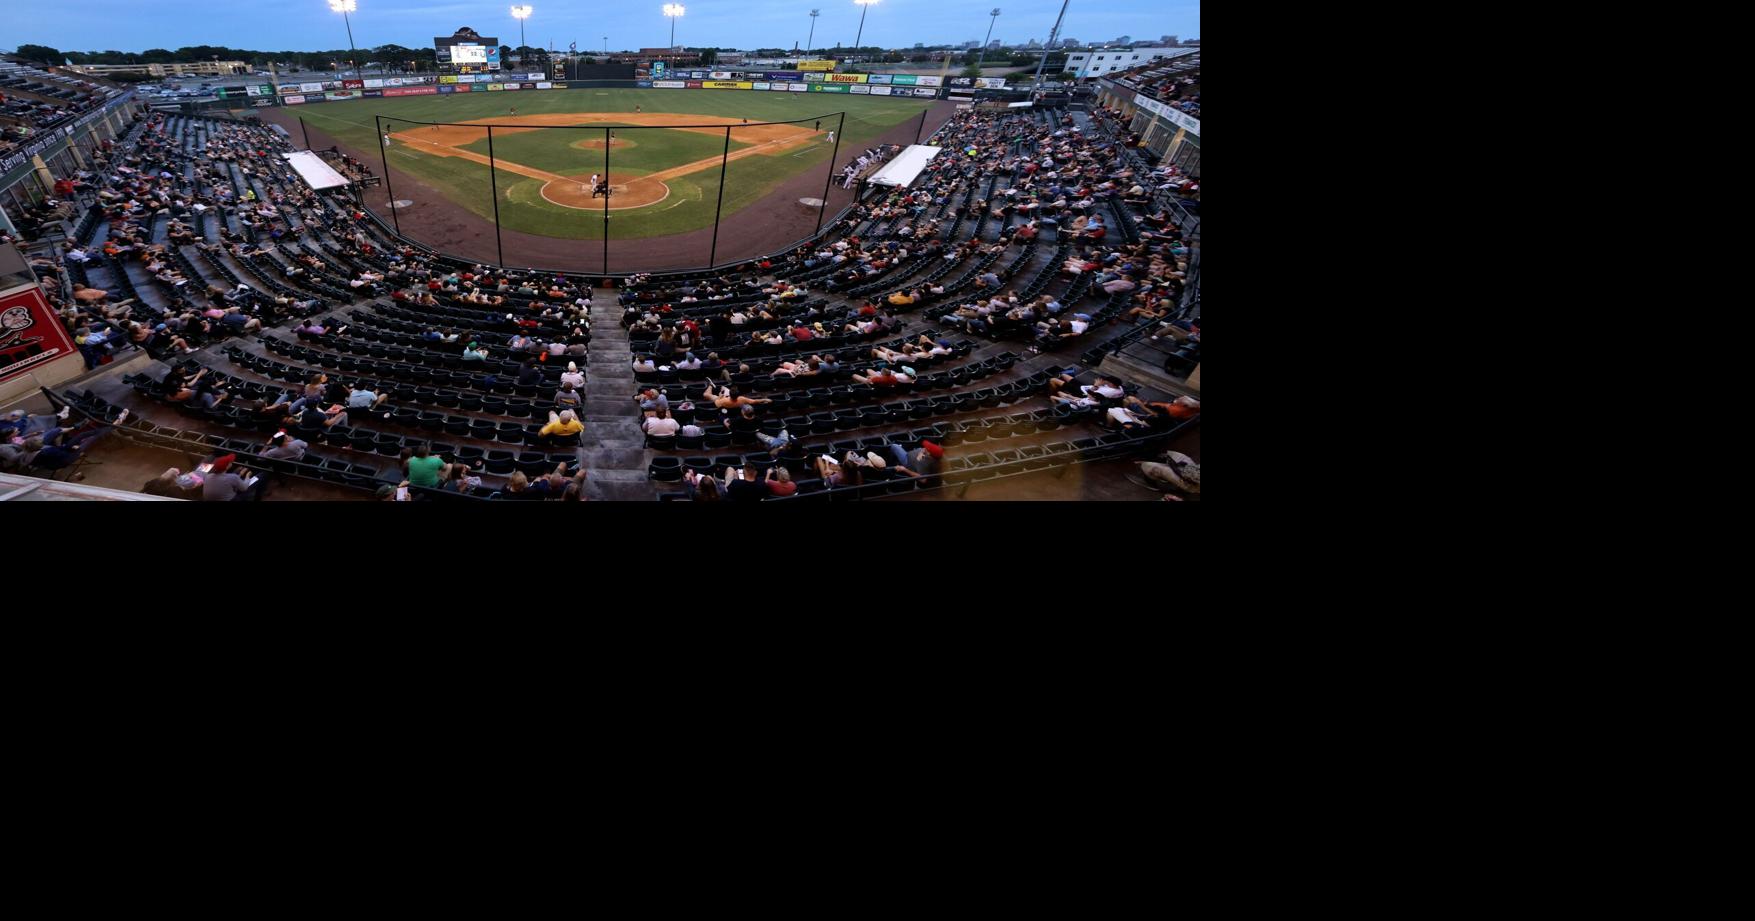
(316, 173)
(907, 165)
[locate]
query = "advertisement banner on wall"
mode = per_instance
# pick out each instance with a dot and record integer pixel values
(783, 75)
(926, 91)
(929, 81)
(452, 89)
(311, 87)
(827, 88)
(545, 85)
(353, 84)
(413, 91)
(262, 102)
(725, 85)
(861, 88)
(843, 78)
(448, 78)
(693, 84)
(799, 87)
(878, 90)
(783, 87)
(816, 65)
(311, 98)
(287, 89)
(31, 335)
(374, 84)
(371, 94)
(990, 83)
(669, 84)
(342, 94)
(295, 100)
(494, 87)
(721, 75)
(962, 81)
(877, 78)
(813, 78)
(760, 85)
(901, 79)
(506, 86)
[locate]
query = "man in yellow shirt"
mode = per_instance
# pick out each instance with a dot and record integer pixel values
(562, 427)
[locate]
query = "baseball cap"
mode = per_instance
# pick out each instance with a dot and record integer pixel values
(932, 449)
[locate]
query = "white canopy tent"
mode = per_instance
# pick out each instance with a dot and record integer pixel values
(907, 165)
(316, 173)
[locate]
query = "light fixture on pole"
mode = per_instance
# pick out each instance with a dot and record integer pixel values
(521, 13)
(673, 11)
(813, 29)
(982, 56)
(864, 6)
(345, 7)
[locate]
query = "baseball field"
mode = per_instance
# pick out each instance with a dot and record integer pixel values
(663, 179)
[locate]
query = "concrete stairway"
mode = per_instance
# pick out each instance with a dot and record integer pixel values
(615, 453)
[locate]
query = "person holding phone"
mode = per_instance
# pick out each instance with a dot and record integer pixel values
(225, 483)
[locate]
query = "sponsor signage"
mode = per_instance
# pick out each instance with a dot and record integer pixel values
(342, 94)
(991, 83)
(901, 79)
(877, 90)
(413, 91)
(693, 84)
(31, 335)
(669, 84)
(295, 100)
(783, 87)
(788, 75)
(262, 102)
(759, 85)
(816, 65)
(448, 78)
(827, 88)
(1175, 116)
(311, 87)
(371, 94)
(374, 84)
(353, 84)
(452, 89)
(509, 86)
(492, 87)
(843, 78)
(725, 85)
(311, 98)
(799, 87)
(926, 91)
(877, 78)
(929, 81)
(721, 75)
(545, 85)
(861, 88)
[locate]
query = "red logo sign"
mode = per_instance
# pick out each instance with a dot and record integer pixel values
(30, 334)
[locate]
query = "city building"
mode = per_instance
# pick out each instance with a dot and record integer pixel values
(1099, 61)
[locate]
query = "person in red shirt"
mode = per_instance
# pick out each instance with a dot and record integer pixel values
(802, 333)
(779, 482)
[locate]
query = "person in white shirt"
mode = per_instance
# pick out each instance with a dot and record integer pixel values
(1103, 388)
(572, 375)
(661, 424)
(1079, 326)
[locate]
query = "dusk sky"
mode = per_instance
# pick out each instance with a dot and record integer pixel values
(298, 25)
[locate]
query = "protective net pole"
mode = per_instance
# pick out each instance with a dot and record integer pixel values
(494, 191)
(389, 192)
(307, 131)
(827, 180)
(723, 158)
(922, 129)
(606, 134)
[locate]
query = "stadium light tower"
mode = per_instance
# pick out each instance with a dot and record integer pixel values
(864, 7)
(813, 29)
(521, 13)
(345, 7)
(983, 55)
(673, 11)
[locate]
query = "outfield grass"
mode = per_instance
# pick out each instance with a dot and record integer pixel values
(693, 197)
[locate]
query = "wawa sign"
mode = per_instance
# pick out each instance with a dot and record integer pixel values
(30, 334)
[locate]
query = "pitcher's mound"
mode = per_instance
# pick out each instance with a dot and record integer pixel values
(631, 193)
(597, 144)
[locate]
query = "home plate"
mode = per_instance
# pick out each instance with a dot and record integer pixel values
(811, 202)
